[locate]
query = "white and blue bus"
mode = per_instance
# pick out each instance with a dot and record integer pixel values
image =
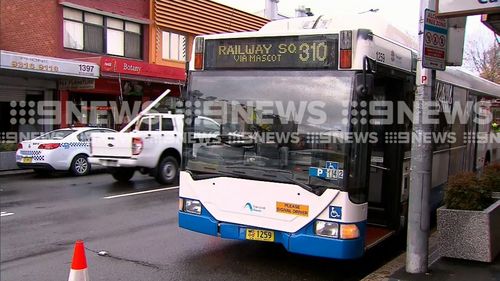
(297, 152)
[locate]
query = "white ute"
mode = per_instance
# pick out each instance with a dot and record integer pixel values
(153, 147)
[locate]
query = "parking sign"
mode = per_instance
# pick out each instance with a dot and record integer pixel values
(435, 38)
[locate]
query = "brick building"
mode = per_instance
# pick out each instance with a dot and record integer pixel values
(108, 51)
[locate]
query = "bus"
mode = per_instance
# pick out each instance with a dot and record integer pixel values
(314, 128)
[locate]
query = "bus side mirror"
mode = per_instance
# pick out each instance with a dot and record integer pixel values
(364, 83)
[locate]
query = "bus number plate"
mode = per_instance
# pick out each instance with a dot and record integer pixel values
(260, 235)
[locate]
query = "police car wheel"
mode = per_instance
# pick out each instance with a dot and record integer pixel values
(122, 174)
(167, 171)
(80, 166)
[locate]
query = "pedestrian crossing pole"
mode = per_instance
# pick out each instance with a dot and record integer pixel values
(421, 162)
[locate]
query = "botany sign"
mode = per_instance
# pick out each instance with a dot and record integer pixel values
(467, 7)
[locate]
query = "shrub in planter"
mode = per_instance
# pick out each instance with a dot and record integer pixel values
(8, 147)
(491, 177)
(465, 192)
(469, 225)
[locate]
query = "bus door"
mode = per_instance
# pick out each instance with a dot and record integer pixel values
(386, 184)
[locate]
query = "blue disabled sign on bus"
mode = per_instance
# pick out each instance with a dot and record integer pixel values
(331, 171)
(435, 41)
(335, 212)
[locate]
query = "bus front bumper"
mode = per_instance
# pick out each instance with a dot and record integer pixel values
(303, 241)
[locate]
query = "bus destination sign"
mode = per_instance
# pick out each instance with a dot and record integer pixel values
(294, 52)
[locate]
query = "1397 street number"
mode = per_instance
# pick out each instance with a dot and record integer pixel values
(86, 68)
(260, 235)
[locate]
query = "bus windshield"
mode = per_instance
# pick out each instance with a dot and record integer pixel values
(280, 126)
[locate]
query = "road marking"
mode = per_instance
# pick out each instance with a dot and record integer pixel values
(141, 192)
(4, 214)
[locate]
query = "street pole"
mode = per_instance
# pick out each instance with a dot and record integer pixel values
(421, 163)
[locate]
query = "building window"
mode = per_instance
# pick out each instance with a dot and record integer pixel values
(174, 46)
(132, 40)
(99, 34)
(93, 32)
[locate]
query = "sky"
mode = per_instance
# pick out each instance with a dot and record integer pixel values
(401, 13)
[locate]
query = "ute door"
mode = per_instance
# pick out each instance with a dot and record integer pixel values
(162, 134)
(170, 133)
(148, 130)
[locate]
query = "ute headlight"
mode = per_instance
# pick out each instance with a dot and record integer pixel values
(326, 228)
(192, 206)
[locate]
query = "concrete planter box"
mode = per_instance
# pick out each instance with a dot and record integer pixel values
(8, 160)
(470, 235)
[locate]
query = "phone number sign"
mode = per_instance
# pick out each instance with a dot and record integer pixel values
(48, 65)
(435, 41)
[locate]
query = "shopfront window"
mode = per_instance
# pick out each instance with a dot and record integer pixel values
(99, 34)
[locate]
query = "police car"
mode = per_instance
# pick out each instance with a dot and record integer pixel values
(59, 150)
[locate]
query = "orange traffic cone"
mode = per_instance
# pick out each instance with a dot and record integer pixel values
(79, 264)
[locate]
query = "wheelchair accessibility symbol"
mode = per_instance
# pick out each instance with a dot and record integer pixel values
(335, 212)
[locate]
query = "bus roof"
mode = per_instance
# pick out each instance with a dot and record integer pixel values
(327, 24)
(464, 79)
(337, 22)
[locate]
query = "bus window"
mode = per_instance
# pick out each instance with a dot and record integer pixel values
(287, 121)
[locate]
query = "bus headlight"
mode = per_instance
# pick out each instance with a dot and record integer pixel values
(326, 228)
(192, 206)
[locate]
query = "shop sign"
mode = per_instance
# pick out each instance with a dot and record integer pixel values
(77, 84)
(48, 65)
(467, 7)
(139, 68)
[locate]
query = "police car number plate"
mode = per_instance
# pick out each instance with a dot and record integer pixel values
(27, 160)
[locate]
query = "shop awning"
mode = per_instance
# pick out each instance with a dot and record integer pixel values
(492, 21)
(54, 67)
(127, 69)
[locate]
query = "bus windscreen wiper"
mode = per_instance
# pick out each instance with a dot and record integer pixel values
(275, 174)
(223, 173)
(234, 140)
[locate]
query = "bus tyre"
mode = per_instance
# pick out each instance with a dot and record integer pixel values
(167, 170)
(123, 174)
(80, 166)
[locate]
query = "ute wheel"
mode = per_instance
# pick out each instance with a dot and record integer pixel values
(80, 166)
(123, 174)
(167, 170)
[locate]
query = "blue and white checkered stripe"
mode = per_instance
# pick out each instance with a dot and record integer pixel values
(38, 158)
(30, 152)
(35, 155)
(67, 145)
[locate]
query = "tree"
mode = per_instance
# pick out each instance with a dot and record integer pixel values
(485, 61)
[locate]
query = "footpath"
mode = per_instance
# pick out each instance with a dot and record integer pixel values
(440, 268)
